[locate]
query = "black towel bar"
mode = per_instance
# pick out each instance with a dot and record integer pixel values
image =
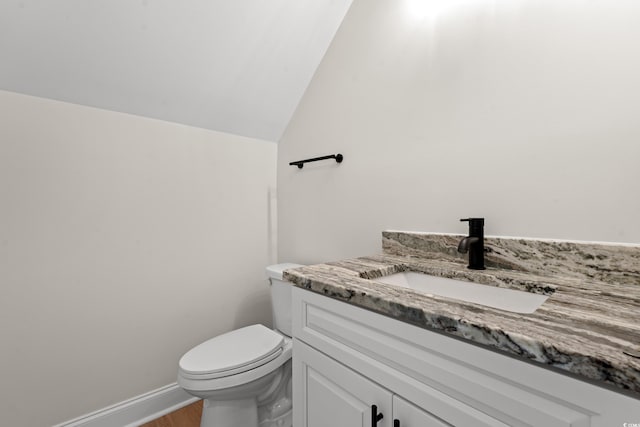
(300, 163)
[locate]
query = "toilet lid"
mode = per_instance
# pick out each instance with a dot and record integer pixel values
(234, 350)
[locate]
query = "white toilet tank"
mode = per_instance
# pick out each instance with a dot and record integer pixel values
(281, 297)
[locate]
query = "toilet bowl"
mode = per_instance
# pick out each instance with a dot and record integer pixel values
(244, 376)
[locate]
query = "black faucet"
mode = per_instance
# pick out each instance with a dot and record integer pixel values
(474, 243)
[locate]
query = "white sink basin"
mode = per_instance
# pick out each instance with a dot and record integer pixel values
(491, 296)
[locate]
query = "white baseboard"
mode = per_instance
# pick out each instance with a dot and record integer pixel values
(136, 411)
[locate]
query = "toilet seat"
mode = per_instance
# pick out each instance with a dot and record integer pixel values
(201, 383)
(232, 353)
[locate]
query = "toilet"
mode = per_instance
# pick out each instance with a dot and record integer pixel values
(244, 376)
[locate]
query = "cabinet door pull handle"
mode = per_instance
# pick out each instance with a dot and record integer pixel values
(375, 416)
(396, 423)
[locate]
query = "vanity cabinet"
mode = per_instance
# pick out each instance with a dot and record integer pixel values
(405, 414)
(339, 397)
(346, 359)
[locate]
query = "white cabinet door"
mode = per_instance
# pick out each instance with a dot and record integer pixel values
(406, 414)
(326, 393)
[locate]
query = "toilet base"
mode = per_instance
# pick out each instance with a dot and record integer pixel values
(229, 413)
(284, 420)
(265, 402)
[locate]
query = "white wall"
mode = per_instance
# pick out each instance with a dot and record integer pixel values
(124, 241)
(524, 112)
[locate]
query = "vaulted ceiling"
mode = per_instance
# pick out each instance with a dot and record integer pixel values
(236, 66)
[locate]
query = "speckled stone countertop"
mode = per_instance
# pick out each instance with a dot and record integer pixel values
(589, 325)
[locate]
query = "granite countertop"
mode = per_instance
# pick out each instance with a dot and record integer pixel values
(589, 325)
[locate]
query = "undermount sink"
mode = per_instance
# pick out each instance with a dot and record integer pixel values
(490, 296)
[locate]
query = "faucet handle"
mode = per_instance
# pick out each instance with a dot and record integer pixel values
(473, 220)
(476, 226)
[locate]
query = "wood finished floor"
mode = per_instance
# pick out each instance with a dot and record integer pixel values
(189, 416)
